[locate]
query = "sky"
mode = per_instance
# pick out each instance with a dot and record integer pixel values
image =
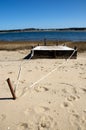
(20, 14)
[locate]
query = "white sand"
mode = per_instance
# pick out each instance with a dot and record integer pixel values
(57, 102)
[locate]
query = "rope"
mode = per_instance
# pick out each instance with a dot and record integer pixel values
(20, 69)
(32, 54)
(52, 71)
(72, 54)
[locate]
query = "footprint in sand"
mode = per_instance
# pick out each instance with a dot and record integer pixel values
(47, 123)
(71, 98)
(23, 126)
(29, 70)
(65, 104)
(2, 117)
(77, 121)
(41, 89)
(10, 72)
(84, 111)
(74, 120)
(64, 91)
(38, 120)
(22, 81)
(44, 122)
(74, 90)
(84, 90)
(54, 91)
(42, 68)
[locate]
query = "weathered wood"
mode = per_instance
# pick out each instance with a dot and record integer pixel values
(11, 88)
(54, 52)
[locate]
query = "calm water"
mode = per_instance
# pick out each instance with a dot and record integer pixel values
(36, 36)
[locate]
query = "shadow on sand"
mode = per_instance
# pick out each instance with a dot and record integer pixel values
(27, 57)
(6, 98)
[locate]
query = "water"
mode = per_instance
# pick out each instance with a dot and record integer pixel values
(37, 36)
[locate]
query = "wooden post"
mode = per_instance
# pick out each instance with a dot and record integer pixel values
(11, 88)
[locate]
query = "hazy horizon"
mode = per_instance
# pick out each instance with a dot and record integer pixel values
(43, 28)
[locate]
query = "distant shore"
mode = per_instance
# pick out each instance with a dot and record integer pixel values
(49, 29)
(20, 45)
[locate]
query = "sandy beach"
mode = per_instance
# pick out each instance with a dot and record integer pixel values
(58, 102)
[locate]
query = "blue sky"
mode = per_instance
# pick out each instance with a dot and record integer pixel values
(15, 14)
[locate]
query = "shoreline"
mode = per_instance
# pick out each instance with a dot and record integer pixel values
(20, 45)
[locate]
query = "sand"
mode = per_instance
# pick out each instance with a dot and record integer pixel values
(58, 102)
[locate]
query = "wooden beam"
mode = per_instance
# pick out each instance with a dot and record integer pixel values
(11, 88)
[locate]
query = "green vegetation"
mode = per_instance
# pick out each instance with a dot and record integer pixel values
(19, 45)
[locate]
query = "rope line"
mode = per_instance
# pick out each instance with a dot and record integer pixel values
(51, 71)
(72, 54)
(20, 68)
(32, 54)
